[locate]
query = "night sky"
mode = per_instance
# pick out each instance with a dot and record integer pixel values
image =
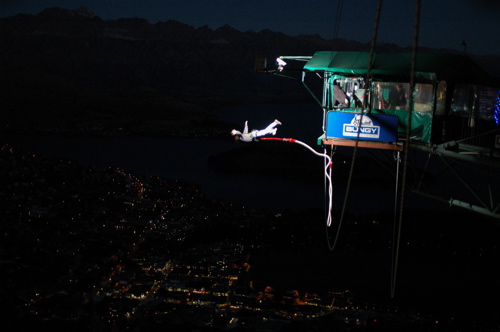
(443, 23)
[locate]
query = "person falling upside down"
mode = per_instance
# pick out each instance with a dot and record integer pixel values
(246, 136)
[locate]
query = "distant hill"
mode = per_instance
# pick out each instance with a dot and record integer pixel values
(70, 70)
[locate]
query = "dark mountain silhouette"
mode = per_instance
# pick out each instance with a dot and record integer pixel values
(69, 70)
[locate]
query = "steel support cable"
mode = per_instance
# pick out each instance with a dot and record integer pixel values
(395, 210)
(340, 5)
(381, 164)
(351, 171)
(478, 135)
(459, 162)
(420, 181)
(471, 190)
(407, 143)
(396, 229)
(490, 192)
(372, 51)
(491, 210)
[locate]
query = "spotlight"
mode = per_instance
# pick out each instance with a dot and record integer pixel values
(281, 64)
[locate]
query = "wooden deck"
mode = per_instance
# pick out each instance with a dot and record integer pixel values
(362, 144)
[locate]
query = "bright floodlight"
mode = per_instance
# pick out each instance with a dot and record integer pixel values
(281, 64)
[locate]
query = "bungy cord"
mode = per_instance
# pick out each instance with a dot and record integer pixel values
(328, 170)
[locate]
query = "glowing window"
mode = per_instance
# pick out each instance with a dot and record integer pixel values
(423, 99)
(390, 95)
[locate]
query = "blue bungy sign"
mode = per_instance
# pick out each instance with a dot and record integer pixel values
(371, 127)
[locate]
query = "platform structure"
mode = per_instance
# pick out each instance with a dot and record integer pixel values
(322, 140)
(444, 105)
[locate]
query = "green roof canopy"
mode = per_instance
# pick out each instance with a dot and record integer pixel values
(397, 66)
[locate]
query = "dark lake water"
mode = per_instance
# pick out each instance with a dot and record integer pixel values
(181, 159)
(186, 159)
